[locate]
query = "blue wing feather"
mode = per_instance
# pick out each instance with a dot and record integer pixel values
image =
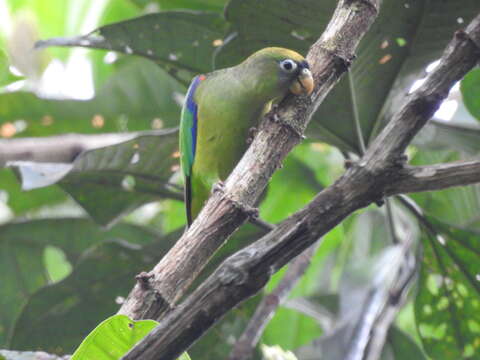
(188, 139)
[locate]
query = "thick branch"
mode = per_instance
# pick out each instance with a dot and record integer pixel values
(247, 271)
(228, 207)
(435, 177)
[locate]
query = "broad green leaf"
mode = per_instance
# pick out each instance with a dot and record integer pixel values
(440, 135)
(470, 87)
(113, 338)
(101, 278)
(447, 307)
(180, 39)
(22, 248)
(111, 181)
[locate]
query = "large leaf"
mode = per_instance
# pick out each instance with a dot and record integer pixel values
(22, 266)
(180, 39)
(111, 181)
(447, 308)
(114, 337)
(57, 317)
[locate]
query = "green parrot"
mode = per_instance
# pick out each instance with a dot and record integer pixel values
(222, 107)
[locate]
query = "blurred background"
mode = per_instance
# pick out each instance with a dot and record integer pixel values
(81, 214)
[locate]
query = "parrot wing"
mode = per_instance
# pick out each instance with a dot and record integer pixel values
(188, 140)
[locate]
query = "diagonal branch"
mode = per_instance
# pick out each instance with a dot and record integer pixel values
(230, 205)
(247, 271)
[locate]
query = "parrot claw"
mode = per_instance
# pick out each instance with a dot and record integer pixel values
(219, 186)
(143, 279)
(251, 134)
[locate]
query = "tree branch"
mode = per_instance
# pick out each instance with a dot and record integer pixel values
(245, 345)
(435, 177)
(230, 205)
(59, 149)
(247, 271)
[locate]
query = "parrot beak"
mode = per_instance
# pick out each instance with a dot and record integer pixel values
(303, 84)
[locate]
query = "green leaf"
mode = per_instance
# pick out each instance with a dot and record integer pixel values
(113, 338)
(23, 270)
(447, 307)
(111, 181)
(179, 39)
(470, 88)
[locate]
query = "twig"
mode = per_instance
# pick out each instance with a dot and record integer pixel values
(244, 347)
(247, 271)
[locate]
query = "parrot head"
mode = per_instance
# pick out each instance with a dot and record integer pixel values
(280, 70)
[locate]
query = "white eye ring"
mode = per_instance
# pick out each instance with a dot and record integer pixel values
(288, 65)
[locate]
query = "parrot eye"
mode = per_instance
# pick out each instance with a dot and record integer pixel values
(288, 65)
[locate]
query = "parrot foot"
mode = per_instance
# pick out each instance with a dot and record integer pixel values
(273, 116)
(143, 280)
(251, 212)
(252, 132)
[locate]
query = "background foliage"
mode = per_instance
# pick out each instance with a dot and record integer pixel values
(71, 245)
